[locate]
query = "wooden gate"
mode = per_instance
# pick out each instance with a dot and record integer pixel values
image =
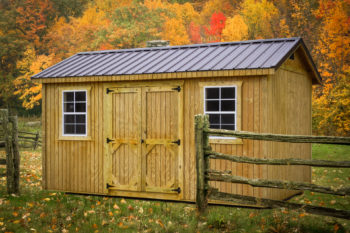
(144, 139)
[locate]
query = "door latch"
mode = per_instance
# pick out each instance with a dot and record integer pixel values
(178, 190)
(178, 142)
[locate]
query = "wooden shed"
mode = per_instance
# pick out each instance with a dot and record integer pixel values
(121, 122)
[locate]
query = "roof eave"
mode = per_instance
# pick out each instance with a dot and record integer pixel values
(316, 77)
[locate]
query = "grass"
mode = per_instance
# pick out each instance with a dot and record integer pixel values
(37, 210)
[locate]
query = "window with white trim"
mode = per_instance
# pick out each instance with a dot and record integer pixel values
(74, 113)
(220, 103)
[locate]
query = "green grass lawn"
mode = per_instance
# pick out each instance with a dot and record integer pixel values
(37, 210)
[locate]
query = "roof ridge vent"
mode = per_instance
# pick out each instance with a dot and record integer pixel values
(158, 43)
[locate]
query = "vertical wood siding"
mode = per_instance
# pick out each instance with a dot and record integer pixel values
(74, 166)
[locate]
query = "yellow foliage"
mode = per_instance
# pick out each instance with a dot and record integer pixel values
(28, 91)
(175, 32)
(235, 29)
(260, 16)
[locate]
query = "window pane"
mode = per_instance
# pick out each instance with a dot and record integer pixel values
(214, 118)
(68, 107)
(227, 105)
(227, 93)
(68, 96)
(69, 118)
(214, 126)
(68, 128)
(80, 129)
(212, 93)
(80, 96)
(80, 107)
(227, 119)
(80, 118)
(230, 127)
(212, 105)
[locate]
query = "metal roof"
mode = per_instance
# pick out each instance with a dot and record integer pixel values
(253, 54)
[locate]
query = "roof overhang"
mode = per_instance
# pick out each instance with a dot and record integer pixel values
(161, 76)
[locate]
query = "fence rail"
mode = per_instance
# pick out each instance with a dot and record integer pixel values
(204, 153)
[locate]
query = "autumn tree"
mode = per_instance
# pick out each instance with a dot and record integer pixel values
(331, 101)
(261, 17)
(235, 29)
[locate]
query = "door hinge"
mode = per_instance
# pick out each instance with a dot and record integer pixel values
(108, 90)
(178, 88)
(142, 141)
(178, 190)
(178, 142)
(109, 186)
(108, 140)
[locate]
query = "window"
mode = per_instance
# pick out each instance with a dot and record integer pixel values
(74, 113)
(220, 103)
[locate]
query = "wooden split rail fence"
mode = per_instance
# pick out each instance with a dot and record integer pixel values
(204, 154)
(29, 140)
(9, 141)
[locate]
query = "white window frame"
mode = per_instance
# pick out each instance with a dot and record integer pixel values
(220, 112)
(75, 113)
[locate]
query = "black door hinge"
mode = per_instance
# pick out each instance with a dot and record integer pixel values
(108, 90)
(109, 186)
(108, 140)
(178, 190)
(178, 142)
(178, 89)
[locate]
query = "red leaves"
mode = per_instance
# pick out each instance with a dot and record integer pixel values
(217, 24)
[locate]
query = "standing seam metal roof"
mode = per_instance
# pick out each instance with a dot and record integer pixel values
(254, 54)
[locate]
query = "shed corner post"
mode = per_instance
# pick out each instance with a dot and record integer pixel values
(202, 162)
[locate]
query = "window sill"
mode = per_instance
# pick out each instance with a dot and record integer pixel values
(232, 141)
(74, 138)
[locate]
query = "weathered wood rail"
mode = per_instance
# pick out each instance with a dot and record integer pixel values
(9, 134)
(32, 139)
(204, 153)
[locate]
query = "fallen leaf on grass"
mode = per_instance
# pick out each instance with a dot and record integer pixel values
(159, 222)
(16, 221)
(110, 213)
(121, 225)
(94, 226)
(130, 207)
(336, 228)
(42, 215)
(46, 199)
(1, 224)
(252, 215)
(123, 201)
(15, 214)
(333, 202)
(140, 210)
(302, 215)
(116, 207)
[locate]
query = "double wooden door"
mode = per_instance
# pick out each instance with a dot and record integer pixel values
(144, 139)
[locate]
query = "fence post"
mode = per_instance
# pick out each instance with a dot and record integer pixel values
(202, 163)
(36, 140)
(16, 155)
